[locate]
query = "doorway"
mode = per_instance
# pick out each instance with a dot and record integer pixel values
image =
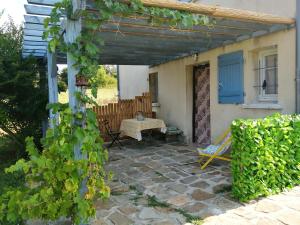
(201, 105)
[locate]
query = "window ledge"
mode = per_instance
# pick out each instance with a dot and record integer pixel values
(262, 106)
(155, 104)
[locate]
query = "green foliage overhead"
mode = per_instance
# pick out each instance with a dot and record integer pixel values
(265, 155)
(54, 177)
(23, 92)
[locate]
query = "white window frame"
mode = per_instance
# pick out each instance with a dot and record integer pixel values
(262, 73)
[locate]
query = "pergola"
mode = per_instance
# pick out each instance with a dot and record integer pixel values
(132, 40)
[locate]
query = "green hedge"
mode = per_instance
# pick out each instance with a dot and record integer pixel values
(265, 155)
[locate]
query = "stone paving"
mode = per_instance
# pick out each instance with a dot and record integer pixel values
(171, 173)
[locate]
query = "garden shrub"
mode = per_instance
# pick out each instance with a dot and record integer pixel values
(56, 177)
(23, 96)
(265, 155)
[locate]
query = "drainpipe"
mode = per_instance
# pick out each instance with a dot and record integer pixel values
(298, 57)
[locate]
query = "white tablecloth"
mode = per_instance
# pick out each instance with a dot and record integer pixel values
(133, 128)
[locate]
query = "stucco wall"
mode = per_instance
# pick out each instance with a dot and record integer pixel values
(276, 7)
(175, 84)
(133, 81)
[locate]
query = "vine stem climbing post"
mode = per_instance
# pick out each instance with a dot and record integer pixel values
(73, 27)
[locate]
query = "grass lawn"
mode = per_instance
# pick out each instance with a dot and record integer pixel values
(105, 96)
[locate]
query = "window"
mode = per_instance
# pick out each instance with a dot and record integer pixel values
(231, 78)
(153, 87)
(268, 75)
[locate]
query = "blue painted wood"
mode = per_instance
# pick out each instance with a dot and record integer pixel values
(38, 10)
(43, 2)
(73, 30)
(33, 26)
(39, 55)
(231, 78)
(37, 33)
(35, 43)
(34, 51)
(35, 19)
(34, 38)
(36, 47)
(52, 86)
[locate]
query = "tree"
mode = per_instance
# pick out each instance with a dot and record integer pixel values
(111, 70)
(23, 92)
(63, 80)
(104, 78)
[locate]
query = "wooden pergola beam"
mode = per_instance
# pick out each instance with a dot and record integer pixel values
(217, 11)
(197, 8)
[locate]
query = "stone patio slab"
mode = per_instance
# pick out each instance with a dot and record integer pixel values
(171, 175)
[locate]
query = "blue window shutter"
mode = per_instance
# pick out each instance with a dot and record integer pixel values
(231, 78)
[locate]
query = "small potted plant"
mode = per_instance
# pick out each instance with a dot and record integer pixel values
(81, 81)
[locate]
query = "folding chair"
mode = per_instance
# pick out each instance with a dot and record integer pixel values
(216, 150)
(115, 135)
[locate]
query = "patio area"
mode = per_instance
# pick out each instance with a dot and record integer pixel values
(161, 184)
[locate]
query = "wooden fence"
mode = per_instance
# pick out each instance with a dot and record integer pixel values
(114, 113)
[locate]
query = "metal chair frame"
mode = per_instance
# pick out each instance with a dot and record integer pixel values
(115, 135)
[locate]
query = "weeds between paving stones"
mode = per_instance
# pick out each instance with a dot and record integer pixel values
(159, 174)
(188, 217)
(132, 188)
(153, 202)
(138, 195)
(116, 193)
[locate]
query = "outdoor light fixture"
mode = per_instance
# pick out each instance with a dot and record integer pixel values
(195, 56)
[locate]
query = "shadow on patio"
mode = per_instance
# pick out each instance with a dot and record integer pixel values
(171, 173)
(161, 184)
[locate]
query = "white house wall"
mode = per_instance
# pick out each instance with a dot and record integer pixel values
(175, 84)
(276, 7)
(133, 81)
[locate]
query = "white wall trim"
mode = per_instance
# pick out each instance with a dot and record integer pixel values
(262, 106)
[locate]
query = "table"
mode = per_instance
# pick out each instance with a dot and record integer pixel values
(133, 128)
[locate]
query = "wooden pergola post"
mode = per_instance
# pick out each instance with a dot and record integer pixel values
(52, 86)
(73, 30)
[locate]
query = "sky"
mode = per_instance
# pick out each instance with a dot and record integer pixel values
(14, 8)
